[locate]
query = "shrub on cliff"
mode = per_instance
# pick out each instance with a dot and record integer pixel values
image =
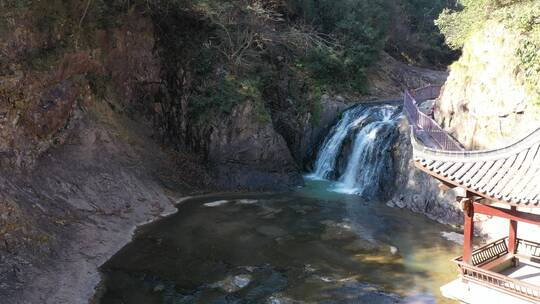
(520, 16)
(363, 28)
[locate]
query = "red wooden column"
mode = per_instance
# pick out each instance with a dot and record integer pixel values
(468, 233)
(512, 235)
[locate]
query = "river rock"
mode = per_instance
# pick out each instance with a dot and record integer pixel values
(420, 298)
(338, 232)
(284, 239)
(159, 288)
(280, 299)
(233, 283)
(302, 209)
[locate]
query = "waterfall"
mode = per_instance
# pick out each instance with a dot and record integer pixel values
(327, 155)
(363, 139)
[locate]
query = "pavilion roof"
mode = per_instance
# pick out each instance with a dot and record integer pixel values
(509, 175)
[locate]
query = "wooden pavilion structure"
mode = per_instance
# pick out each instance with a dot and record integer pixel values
(507, 177)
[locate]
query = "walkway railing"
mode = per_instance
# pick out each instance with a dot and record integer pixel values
(485, 277)
(501, 282)
(424, 127)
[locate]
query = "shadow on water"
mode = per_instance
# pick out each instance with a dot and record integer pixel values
(307, 246)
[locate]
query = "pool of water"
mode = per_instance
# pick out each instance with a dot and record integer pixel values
(307, 246)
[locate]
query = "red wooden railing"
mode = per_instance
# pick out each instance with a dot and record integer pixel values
(503, 283)
(484, 255)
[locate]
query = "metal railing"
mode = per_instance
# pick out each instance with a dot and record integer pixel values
(490, 252)
(426, 93)
(424, 127)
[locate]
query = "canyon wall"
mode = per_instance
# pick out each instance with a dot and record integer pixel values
(490, 99)
(416, 190)
(486, 102)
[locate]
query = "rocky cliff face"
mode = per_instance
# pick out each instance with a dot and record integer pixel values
(304, 139)
(80, 163)
(44, 85)
(417, 191)
(77, 208)
(247, 151)
(485, 102)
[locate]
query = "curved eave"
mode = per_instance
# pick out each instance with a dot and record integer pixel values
(421, 150)
(509, 175)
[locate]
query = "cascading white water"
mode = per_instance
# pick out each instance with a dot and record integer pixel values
(373, 132)
(327, 155)
(367, 161)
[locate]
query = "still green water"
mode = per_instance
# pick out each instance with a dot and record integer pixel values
(306, 246)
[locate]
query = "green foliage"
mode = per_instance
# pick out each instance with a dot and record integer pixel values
(216, 54)
(529, 56)
(428, 44)
(458, 25)
(204, 62)
(326, 67)
(527, 21)
(422, 13)
(64, 26)
(521, 16)
(363, 28)
(222, 96)
(250, 88)
(359, 26)
(52, 17)
(15, 4)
